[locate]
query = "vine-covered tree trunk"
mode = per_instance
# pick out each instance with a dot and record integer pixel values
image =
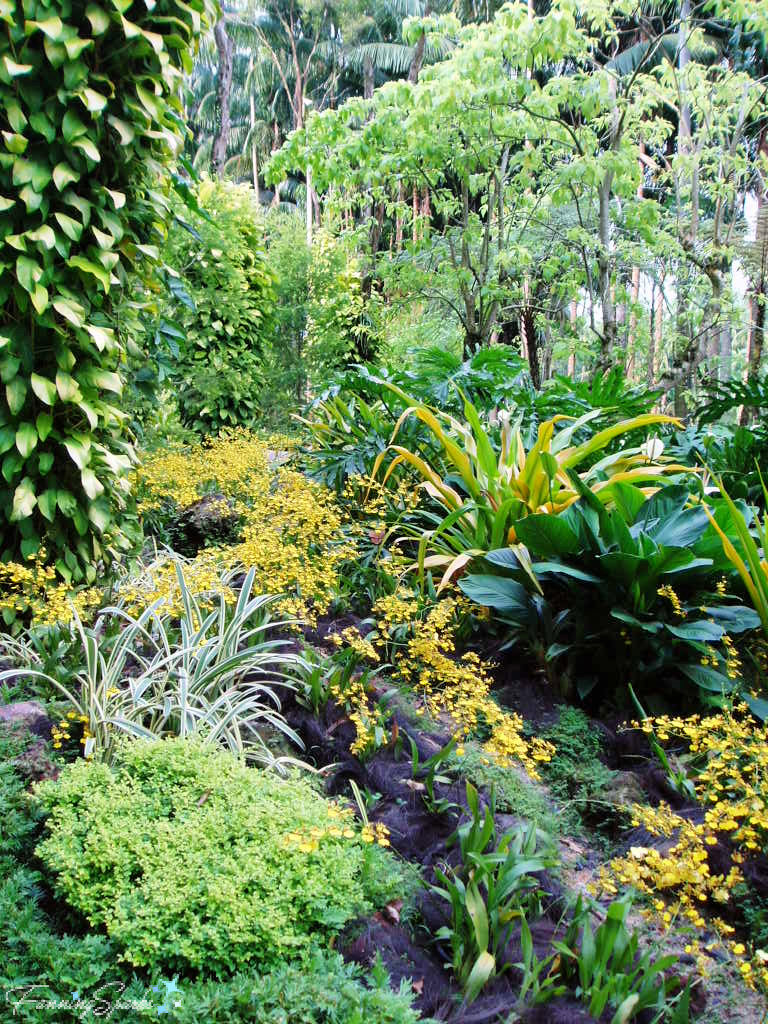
(225, 50)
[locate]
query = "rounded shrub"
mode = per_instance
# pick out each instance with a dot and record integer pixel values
(192, 860)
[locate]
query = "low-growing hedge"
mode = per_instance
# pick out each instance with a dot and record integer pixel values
(192, 860)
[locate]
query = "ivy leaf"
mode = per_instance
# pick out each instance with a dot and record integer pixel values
(28, 273)
(24, 500)
(9, 367)
(44, 234)
(44, 459)
(79, 450)
(94, 101)
(51, 27)
(44, 424)
(88, 267)
(40, 299)
(46, 502)
(98, 18)
(15, 143)
(91, 484)
(43, 388)
(123, 129)
(63, 175)
(14, 69)
(88, 147)
(71, 228)
(16, 394)
(67, 387)
(70, 310)
(26, 439)
(100, 514)
(72, 127)
(103, 337)
(7, 439)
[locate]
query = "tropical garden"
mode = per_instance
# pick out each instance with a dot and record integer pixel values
(384, 503)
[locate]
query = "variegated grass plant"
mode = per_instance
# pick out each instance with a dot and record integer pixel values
(211, 671)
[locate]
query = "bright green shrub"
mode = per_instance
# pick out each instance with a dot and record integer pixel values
(320, 989)
(338, 330)
(90, 99)
(219, 372)
(191, 859)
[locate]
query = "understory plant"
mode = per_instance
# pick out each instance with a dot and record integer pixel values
(189, 859)
(488, 890)
(483, 492)
(622, 594)
(606, 969)
(210, 672)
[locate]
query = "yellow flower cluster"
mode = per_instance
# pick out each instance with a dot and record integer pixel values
(236, 463)
(369, 721)
(731, 750)
(457, 686)
(674, 600)
(293, 533)
(60, 733)
(361, 645)
(31, 592)
(338, 826)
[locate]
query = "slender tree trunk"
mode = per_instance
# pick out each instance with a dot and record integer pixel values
(399, 218)
(368, 78)
(417, 60)
(574, 313)
(415, 215)
(254, 154)
(608, 338)
(223, 90)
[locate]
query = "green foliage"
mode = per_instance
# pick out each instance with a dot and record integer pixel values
(225, 299)
(209, 671)
(36, 953)
(576, 775)
(734, 454)
(494, 881)
(90, 98)
(513, 792)
(338, 331)
(486, 488)
(19, 824)
(284, 367)
(625, 594)
(606, 969)
(318, 989)
(190, 859)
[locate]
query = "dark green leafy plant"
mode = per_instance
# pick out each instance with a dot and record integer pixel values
(632, 590)
(225, 301)
(317, 989)
(189, 859)
(606, 968)
(90, 100)
(494, 882)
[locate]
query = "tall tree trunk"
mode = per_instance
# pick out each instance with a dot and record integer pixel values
(254, 154)
(608, 338)
(573, 315)
(417, 60)
(399, 218)
(657, 329)
(368, 78)
(223, 90)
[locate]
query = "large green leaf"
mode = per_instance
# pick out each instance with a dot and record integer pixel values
(547, 536)
(505, 595)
